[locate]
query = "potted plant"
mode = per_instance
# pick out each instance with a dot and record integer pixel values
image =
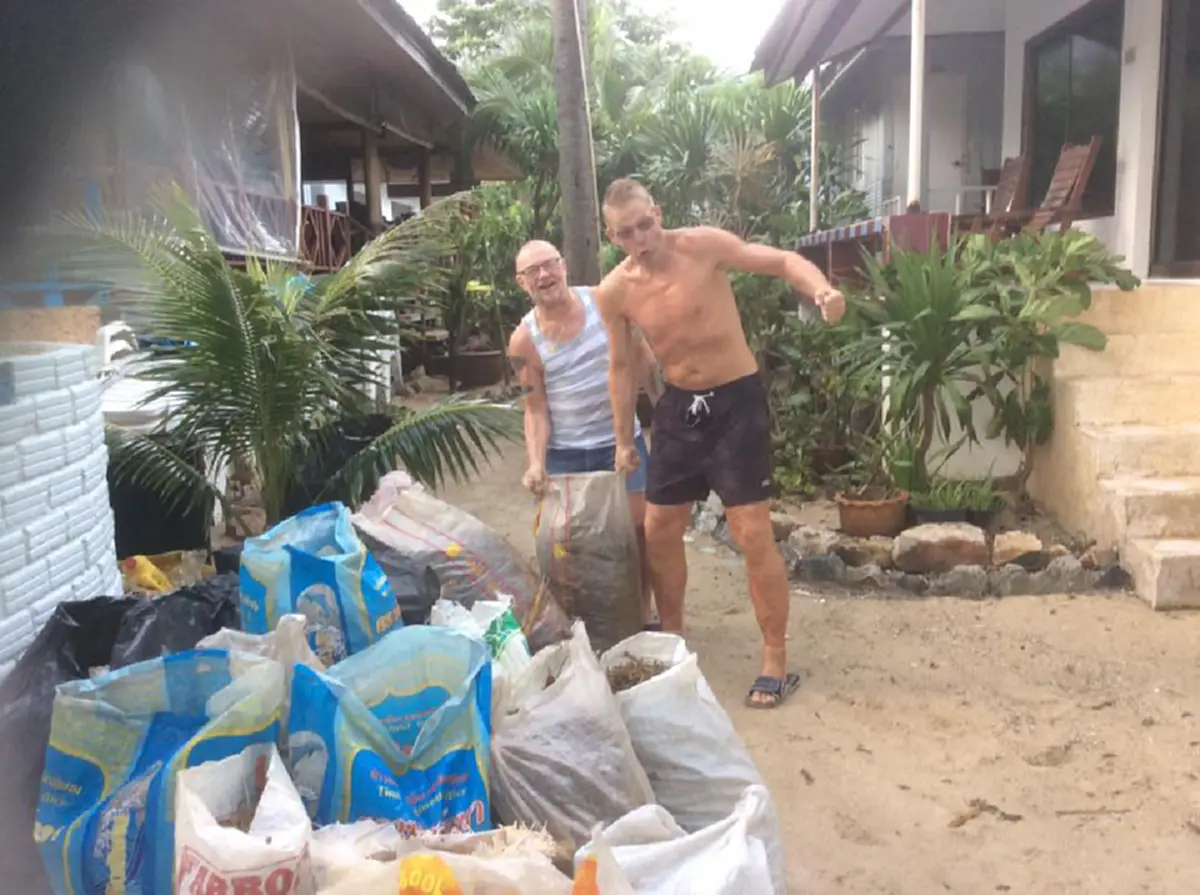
(874, 501)
(983, 503)
(945, 501)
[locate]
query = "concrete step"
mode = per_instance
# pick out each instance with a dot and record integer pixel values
(1120, 400)
(1155, 307)
(1134, 354)
(1153, 508)
(1166, 573)
(1144, 451)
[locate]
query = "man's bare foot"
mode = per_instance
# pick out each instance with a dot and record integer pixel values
(774, 684)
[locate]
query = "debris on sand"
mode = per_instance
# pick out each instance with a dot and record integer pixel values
(977, 807)
(633, 671)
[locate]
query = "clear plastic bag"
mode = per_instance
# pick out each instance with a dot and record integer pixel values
(408, 527)
(214, 801)
(692, 753)
(563, 758)
(647, 853)
(587, 550)
(493, 622)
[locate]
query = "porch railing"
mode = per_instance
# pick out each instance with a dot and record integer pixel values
(328, 238)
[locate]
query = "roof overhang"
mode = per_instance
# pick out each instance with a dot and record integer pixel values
(809, 33)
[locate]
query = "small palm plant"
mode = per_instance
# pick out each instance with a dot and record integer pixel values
(264, 365)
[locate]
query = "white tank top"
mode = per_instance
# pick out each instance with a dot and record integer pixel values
(577, 381)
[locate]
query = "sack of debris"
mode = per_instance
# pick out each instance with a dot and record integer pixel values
(562, 758)
(408, 527)
(368, 858)
(176, 621)
(399, 732)
(77, 638)
(648, 853)
(587, 550)
(240, 827)
(691, 752)
(493, 622)
(117, 745)
(315, 565)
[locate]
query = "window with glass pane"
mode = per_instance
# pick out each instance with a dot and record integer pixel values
(1074, 94)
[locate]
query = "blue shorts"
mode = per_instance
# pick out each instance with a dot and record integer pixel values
(565, 461)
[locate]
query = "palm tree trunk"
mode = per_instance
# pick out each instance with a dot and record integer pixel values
(576, 158)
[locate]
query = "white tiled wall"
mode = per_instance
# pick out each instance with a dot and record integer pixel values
(56, 524)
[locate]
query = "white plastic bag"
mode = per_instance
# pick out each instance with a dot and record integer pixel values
(213, 855)
(369, 858)
(654, 856)
(495, 623)
(691, 752)
(287, 644)
(563, 758)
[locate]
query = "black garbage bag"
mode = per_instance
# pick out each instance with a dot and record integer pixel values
(415, 584)
(176, 621)
(76, 638)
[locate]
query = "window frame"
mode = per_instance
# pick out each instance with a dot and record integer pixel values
(1090, 11)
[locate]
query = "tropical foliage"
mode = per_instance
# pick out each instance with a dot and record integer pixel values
(266, 366)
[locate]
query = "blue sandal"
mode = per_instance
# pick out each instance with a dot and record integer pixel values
(777, 689)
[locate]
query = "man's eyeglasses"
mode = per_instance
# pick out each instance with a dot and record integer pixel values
(534, 269)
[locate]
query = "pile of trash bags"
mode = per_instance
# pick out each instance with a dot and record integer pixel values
(283, 730)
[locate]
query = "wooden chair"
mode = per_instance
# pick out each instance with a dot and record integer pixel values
(1061, 203)
(1011, 188)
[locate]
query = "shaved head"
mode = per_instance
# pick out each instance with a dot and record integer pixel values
(534, 251)
(621, 192)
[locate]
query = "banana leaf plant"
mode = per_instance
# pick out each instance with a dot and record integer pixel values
(265, 363)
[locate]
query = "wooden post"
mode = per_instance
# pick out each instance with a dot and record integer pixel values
(576, 158)
(916, 107)
(425, 178)
(373, 180)
(814, 187)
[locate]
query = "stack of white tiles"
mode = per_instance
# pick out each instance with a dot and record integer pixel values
(56, 522)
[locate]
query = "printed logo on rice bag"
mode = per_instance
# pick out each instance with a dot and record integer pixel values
(197, 877)
(427, 875)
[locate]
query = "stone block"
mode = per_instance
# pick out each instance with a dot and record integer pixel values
(939, 547)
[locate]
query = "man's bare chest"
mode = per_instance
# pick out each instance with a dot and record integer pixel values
(664, 311)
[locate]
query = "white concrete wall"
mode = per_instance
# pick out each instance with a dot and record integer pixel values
(56, 524)
(1129, 231)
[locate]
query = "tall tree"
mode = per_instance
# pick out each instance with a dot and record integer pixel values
(576, 153)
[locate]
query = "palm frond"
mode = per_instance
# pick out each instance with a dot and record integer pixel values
(159, 467)
(445, 442)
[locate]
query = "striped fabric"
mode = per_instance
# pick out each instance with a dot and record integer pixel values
(839, 234)
(577, 381)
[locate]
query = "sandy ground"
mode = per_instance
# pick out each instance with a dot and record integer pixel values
(1072, 725)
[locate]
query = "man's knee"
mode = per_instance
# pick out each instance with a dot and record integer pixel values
(752, 531)
(666, 525)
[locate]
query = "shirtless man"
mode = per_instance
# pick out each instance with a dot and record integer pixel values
(712, 426)
(560, 353)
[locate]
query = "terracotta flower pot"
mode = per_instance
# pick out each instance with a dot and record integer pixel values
(865, 517)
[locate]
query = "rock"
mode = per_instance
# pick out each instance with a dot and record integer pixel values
(913, 584)
(1098, 558)
(1010, 581)
(970, 582)
(1016, 547)
(1065, 575)
(865, 551)
(810, 541)
(869, 575)
(704, 520)
(939, 547)
(1054, 551)
(1115, 578)
(782, 524)
(825, 569)
(791, 559)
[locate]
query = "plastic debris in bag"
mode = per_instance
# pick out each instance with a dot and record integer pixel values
(493, 622)
(691, 752)
(75, 639)
(399, 732)
(647, 853)
(117, 744)
(409, 527)
(177, 621)
(315, 565)
(240, 827)
(368, 858)
(587, 550)
(563, 758)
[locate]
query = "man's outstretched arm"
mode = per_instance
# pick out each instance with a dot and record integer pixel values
(733, 253)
